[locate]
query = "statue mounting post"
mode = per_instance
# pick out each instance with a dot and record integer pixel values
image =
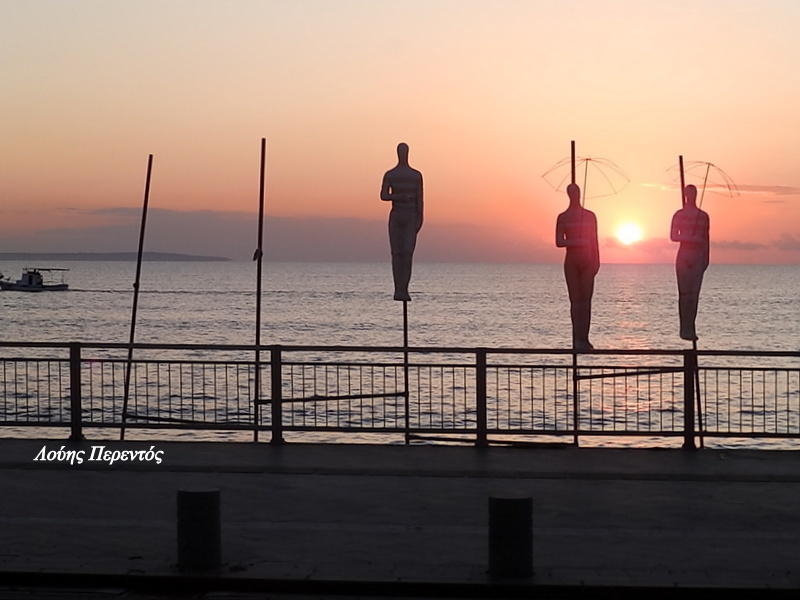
(136, 282)
(402, 186)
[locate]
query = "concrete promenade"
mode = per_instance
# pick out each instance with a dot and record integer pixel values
(412, 520)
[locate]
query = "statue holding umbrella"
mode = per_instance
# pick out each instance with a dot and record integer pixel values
(690, 228)
(576, 230)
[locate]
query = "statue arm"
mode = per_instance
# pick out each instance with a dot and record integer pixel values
(674, 230)
(563, 241)
(386, 190)
(420, 205)
(561, 237)
(704, 227)
(595, 244)
(696, 233)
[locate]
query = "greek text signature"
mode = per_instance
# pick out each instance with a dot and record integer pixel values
(99, 454)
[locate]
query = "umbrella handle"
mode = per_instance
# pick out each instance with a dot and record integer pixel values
(705, 181)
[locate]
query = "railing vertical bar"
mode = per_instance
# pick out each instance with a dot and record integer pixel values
(788, 403)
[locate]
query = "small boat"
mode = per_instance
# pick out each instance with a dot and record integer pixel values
(39, 279)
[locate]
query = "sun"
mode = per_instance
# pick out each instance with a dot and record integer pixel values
(628, 233)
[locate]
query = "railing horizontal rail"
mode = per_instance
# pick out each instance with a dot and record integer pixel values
(396, 349)
(628, 372)
(344, 397)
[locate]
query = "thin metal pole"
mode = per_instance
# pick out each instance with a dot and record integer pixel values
(689, 369)
(136, 296)
(683, 180)
(406, 392)
(697, 393)
(572, 158)
(258, 256)
(575, 400)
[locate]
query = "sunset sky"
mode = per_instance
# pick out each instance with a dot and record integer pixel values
(488, 95)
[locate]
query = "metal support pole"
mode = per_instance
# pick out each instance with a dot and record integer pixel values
(136, 284)
(480, 397)
(258, 256)
(75, 399)
(572, 159)
(276, 368)
(406, 390)
(697, 396)
(689, 370)
(575, 398)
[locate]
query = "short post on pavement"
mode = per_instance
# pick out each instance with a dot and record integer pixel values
(199, 531)
(510, 538)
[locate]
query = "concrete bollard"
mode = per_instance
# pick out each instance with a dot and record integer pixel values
(510, 538)
(199, 532)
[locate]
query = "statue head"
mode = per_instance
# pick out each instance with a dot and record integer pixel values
(402, 153)
(574, 193)
(690, 193)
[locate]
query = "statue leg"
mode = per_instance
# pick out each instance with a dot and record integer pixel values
(402, 238)
(687, 311)
(401, 271)
(690, 279)
(581, 313)
(581, 288)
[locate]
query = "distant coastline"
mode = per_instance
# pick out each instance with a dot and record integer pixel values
(107, 256)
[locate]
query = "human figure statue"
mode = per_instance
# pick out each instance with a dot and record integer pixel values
(576, 230)
(402, 186)
(690, 227)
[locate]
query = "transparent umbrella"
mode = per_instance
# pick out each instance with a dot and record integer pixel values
(705, 176)
(598, 177)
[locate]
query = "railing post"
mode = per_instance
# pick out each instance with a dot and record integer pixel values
(276, 368)
(75, 385)
(480, 397)
(576, 390)
(689, 373)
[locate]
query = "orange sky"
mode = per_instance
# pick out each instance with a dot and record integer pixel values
(487, 94)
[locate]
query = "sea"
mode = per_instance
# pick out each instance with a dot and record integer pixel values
(742, 307)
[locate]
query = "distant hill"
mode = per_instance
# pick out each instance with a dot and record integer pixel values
(43, 257)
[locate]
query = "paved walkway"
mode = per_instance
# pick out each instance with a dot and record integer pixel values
(303, 517)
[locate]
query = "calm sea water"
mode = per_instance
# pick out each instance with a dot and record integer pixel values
(753, 307)
(495, 306)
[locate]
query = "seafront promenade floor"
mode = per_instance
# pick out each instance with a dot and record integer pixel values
(405, 519)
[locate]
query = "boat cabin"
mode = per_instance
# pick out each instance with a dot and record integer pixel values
(34, 280)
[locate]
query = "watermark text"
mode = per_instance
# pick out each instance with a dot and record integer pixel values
(99, 454)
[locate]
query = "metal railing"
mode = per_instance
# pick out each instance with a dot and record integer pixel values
(469, 395)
